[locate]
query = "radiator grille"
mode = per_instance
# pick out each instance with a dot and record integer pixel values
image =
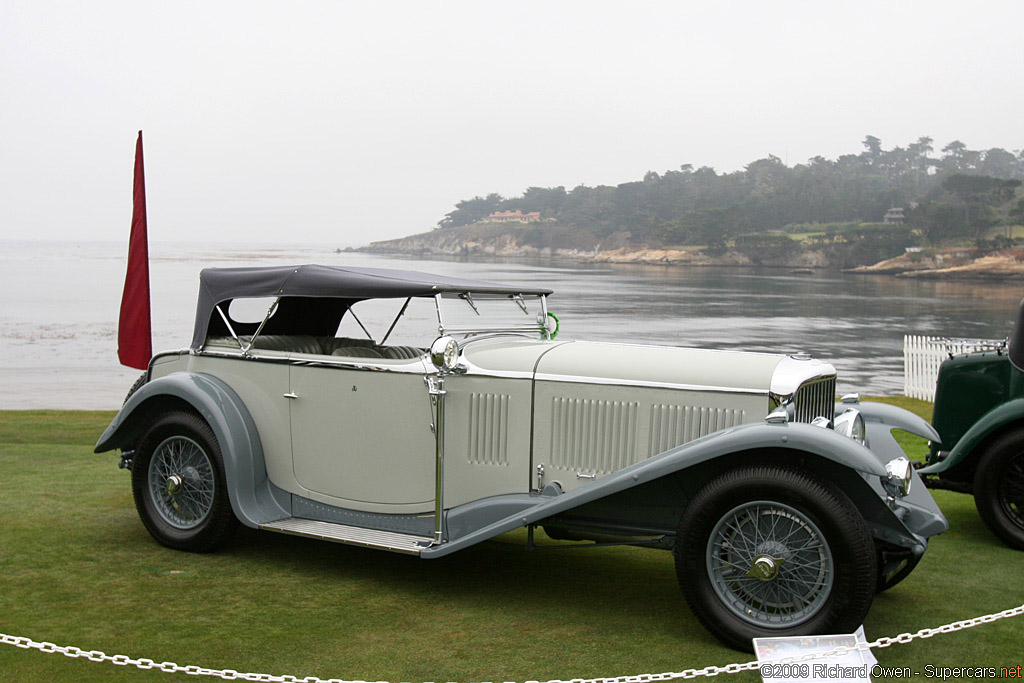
(593, 436)
(488, 429)
(815, 399)
(675, 425)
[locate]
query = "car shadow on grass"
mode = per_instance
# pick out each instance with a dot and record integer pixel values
(589, 583)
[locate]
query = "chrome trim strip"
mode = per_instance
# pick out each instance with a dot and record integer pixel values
(417, 368)
(162, 354)
(478, 336)
(473, 371)
(543, 377)
(534, 328)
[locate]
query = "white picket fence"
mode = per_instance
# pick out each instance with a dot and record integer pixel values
(922, 357)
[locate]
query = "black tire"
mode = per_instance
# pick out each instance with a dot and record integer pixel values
(829, 586)
(143, 378)
(180, 452)
(999, 488)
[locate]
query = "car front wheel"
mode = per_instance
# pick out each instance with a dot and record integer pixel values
(768, 551)
(179, 485)
(999, 488)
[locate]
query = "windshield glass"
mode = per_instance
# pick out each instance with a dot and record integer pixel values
(410, 323)
(481, 313)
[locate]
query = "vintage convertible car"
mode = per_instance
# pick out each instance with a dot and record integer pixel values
(786, 511)
(979, 415)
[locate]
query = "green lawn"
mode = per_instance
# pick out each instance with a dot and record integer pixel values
(79, 569)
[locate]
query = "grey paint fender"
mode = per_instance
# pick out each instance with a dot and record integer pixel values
(879, 421)
(253, 498)
(797, 437)
(893, 417)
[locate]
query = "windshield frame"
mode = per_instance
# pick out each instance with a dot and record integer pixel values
(530, 324)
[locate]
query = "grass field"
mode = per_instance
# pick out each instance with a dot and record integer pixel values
(79, 569)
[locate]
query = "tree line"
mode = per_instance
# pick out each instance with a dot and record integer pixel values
(954, 193)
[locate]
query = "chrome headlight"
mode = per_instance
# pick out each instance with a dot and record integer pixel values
(444, 353)
(900, 476)
(851, 424)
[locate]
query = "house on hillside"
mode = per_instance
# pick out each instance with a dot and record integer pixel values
(894, 216)
(513, 217)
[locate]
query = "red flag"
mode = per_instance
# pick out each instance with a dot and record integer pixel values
(134, 330)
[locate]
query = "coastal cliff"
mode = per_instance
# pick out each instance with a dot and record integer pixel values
(559, 242)
(552, 241)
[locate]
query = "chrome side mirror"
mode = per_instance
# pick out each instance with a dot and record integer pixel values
(444, 354)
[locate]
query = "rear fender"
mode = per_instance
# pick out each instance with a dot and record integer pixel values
(253, 498)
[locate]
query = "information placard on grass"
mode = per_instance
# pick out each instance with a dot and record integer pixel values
(853, 666)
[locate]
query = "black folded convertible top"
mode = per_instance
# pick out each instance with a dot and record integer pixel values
(217, 285)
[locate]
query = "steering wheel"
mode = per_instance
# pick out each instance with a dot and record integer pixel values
(552, 335)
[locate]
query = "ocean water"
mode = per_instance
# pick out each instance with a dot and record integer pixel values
(58, 320)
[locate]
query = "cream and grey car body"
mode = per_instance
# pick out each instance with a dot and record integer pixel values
(498, 425)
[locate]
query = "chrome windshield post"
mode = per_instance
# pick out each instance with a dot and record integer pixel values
(440, 315)
(360, 322)
(395, 322)
(227, 323)
(435, 388)
(270, 312)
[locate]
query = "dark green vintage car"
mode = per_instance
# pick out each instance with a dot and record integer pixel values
(979, 415)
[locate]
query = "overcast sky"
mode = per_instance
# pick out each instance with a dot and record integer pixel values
(346, 122)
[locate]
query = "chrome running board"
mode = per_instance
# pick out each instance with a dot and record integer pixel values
(352, 535)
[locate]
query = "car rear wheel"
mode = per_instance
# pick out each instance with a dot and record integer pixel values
(771, 551)
(143, 378)
(179, 485)
(999, 488)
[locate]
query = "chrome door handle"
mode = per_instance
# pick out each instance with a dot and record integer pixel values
(291, 395)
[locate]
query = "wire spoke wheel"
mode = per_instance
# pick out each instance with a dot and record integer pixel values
(769, 550)
(770, 564)
(181, 482)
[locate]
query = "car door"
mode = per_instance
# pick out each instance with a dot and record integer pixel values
(361, 434)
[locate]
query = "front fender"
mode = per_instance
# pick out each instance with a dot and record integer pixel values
(879, 421)
(998, 417)
(253, 498)
(801, 439)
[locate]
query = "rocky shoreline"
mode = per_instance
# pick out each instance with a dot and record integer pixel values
(472, 242)
(480, 242)
(952, 264)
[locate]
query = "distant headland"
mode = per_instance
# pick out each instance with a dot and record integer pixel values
(905, 211)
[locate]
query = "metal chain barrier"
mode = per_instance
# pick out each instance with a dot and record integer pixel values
(231, 675)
